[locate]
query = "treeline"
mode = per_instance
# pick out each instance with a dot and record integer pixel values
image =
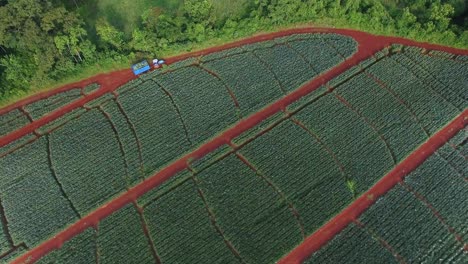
(42, 41)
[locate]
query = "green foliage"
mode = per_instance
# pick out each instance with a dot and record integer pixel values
(54, 41)
(198, 11)
(109, 35)
(39, 41)
(143, 41)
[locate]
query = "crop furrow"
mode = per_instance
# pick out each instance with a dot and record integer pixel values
(228, 89)
(275, 188)
(177, 109)
(427, 84)
(453, 166)
(268, 67)
(132, 127)
(145, 228)
(27, 114)
(334, 226)
(212, 217)
(387, 88)
(433, 210)
(4, 223)
(381, 241)
(369, 123)
(54, 175)
(324, 145)
(120, 144)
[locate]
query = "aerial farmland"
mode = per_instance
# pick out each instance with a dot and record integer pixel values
(302, 146)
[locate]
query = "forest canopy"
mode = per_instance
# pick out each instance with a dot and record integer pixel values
(43, 42)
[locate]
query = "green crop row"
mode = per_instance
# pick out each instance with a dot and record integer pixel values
(157, 124)
(431, 109)
(34, 205)
(90, 88)
(49, 104)
(17, 144)
(61, 121)
(182, 231)
(12, 121)
(128, 142)
(251, 83)
(91, 168)
(404, 220)
(364, 155)
(449, 75)
(412, 229)
(288, 67)
(304, 169)
(449, 88)
(353, 245)
(346, 47)
(385, 113)
(444, 187)
(318, 54)
(203, 101)
(257, 221)
(82, 249)
(262, 126)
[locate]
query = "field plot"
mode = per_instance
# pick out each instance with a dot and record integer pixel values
(12, 121)
(422, 219)
(29, 111)
(92, 154)
(259, 186)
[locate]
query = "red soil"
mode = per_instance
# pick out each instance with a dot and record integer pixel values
(351, 213)
(368, 45)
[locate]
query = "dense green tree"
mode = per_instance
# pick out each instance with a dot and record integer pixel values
(441, 15)
(109, 35)
(34, 36)
(143, 41)
(46, 39)
(198, 11)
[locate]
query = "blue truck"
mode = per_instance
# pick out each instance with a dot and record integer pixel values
(140, 67)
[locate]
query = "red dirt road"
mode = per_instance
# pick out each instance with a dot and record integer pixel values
(368, 45)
